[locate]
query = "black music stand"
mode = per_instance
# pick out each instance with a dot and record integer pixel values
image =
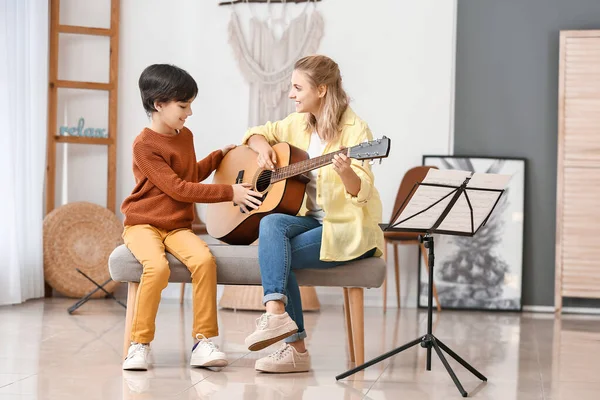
(88, 296)
(441, 209)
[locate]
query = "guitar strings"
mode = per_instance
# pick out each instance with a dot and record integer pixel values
(290, 170)
(301, 166)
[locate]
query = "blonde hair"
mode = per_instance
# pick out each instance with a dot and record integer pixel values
(322, 70)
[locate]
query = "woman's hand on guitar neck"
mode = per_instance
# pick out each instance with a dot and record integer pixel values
(267, 158)
(245, 197)
(342, 165)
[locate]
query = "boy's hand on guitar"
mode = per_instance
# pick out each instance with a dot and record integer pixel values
(245, 197)
(226, 149)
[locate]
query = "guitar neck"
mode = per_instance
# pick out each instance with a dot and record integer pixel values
(301, 167)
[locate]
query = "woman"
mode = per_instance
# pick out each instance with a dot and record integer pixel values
(343, 208)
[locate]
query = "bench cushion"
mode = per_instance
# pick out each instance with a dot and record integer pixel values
(238, 265)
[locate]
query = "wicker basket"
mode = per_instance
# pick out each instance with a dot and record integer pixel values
(80, 235)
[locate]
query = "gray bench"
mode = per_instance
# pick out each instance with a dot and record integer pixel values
(238, 265)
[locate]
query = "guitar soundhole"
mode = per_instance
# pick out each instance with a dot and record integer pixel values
(263, 181)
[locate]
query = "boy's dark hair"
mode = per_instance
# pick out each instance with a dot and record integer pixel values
(163, 83)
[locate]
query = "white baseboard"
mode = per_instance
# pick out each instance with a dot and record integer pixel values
(581, 310)
(565, 310)
(538, 309)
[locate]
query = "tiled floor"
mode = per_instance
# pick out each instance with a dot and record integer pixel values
(45, 353)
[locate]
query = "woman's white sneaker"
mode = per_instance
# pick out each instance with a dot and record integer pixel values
(137, 357)
(285, 360)
(207, 354)
(270, 328)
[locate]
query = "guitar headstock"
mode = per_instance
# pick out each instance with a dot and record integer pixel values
(378, 148)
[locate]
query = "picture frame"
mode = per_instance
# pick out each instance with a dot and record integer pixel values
(483, 272)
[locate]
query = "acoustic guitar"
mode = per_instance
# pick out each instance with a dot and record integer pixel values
(282, 190)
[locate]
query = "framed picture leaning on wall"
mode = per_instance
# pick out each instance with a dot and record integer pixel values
(483, 272)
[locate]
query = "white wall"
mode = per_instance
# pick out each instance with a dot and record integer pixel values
(396, 58)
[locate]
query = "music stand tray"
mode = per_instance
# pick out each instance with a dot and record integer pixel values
(447, 202)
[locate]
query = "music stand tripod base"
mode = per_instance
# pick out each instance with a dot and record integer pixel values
(88, 296)
(428, 340)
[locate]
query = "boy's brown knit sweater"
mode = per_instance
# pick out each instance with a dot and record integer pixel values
(167, 180)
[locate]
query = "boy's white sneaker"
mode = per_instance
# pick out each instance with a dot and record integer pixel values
(207, 354)
(137, 357)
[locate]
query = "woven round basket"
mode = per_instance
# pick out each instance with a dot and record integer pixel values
(80, 235)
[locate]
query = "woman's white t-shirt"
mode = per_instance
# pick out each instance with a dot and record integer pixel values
(315, 149)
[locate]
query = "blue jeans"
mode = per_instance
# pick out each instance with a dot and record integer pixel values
(287, 243)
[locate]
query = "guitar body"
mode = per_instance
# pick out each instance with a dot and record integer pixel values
(225, 221)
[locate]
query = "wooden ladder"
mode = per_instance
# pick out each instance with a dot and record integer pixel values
(112, 86)
(54, 83)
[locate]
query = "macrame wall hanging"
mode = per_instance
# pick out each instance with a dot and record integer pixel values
(267, 62)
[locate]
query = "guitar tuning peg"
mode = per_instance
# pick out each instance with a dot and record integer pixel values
(363, 163)
(380, 161)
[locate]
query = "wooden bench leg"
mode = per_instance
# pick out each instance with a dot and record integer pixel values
(132, 288)
(348, 319)
(357, 316)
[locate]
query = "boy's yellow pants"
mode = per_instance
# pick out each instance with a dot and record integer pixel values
(148, 245)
